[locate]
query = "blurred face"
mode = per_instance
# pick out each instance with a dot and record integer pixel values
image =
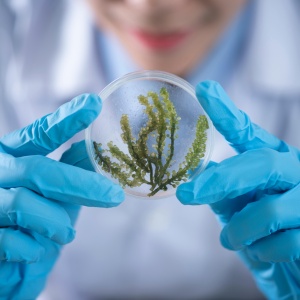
(168, 35)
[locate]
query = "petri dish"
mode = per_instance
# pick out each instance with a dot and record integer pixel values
(150, 160)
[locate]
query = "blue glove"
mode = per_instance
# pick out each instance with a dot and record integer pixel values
(255, 194)
(40, 197)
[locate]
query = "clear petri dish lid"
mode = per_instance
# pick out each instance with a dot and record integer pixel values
(151, 135)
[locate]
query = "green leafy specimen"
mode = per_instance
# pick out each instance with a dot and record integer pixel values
(142, 166)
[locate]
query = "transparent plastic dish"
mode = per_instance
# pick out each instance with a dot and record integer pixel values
(165, 150)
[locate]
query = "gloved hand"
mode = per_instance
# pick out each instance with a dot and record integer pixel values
(255, 194)
(40, 197)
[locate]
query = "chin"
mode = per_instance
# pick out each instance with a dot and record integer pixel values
(163, 64)
(174, 69)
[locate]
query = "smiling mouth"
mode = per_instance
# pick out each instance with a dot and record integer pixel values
(159, 41)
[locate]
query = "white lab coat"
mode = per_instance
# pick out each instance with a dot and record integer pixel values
(143, 249)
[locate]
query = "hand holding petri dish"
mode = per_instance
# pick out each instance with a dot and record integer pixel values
(151, 135)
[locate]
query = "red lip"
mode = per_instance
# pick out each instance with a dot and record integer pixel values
(159, 41)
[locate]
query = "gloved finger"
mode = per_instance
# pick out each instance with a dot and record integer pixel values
(48, 133)
(225, 210)
(263, 169)
(211, 164)
(17, 246)
(59, 181)
(77, 156)
(26, 209)
(262, 218)
(233, 123)
(279, 247)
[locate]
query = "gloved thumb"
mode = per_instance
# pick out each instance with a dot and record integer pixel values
(233, 123)
(77, 156)
(48, 133)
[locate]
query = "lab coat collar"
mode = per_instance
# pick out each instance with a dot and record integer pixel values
(272, 60)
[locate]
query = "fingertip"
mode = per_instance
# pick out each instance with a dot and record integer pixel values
(206, 84)
(77, 156)
(185, 195)
(224, 240)
(91, 104)
(88, 98)
(116, 196)
(95, 100)
(63, 237)
(208, 88)
(182, 197)
(71, 234)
